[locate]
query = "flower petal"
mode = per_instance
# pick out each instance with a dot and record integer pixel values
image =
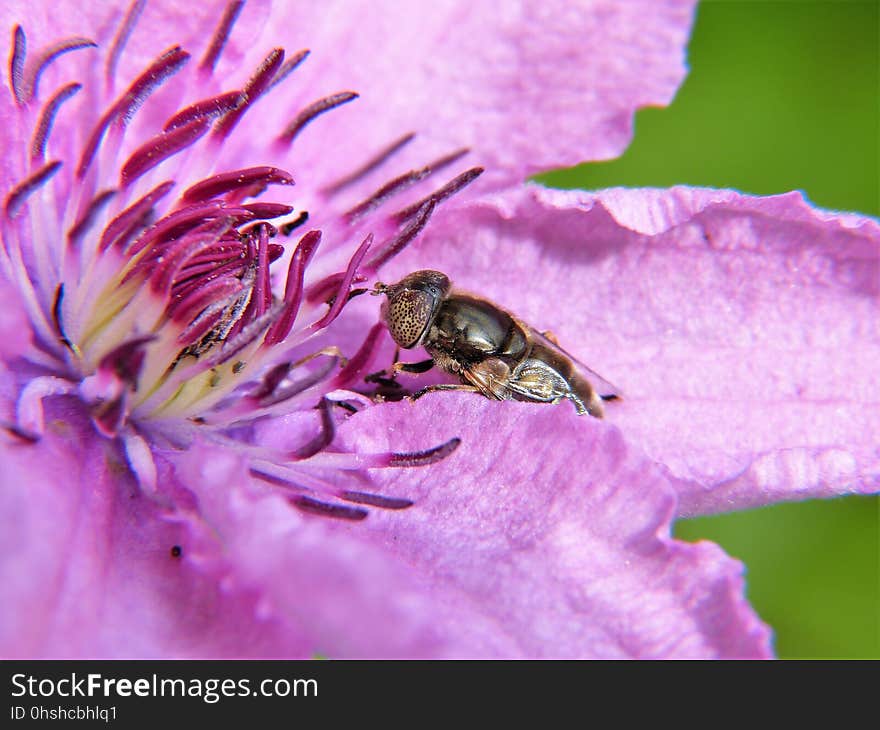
(743, 332)
(89, 567)
(552, 527)
(526, 86)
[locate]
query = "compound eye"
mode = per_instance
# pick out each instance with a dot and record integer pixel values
(408, 315)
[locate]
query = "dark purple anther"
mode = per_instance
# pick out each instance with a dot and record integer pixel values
(423, 458)
(313, 111)
(28, 186)
(160, 148)
(221, 35)
(233, 180)
(212, 108)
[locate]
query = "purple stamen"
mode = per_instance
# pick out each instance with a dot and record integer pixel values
(245, 337)
(165, 66)
(212, 108)
(291, 226)
(221, 35)
(47, 117)
(288, 67)
(127, 360)
(34, 71)
(339, 511)
(295, 388)
(253, 90)
(121, 39)
(439, 195)
(160, 148)
(109, 416)
(88, 218)
(294, 288)
(402, 239)
(266, 211)
(272, 380)
(175, 224)
(401, 183)
(57, 319)
(341, 297)
(313, 111)
(123, 226)
(16, 63)
(376, 500)
(165, 270)
(221, 292)
(29, 185)
(323, 439)
(359, 363)
(423, 458)
(374, 162)
(227, 182)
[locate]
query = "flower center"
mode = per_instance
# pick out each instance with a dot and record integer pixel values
(147, 276)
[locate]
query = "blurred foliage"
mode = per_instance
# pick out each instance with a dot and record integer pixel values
(780, 96)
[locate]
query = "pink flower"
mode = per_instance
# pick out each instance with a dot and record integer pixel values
(191, 466)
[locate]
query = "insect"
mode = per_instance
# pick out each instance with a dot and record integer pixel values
(487, 347)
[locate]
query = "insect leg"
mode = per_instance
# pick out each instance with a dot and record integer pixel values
(412, 367)
(444, 386)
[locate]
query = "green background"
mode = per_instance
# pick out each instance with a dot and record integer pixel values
(780, 96)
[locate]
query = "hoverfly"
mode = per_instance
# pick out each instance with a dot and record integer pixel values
(487, 347)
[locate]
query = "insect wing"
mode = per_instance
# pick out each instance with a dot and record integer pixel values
(605, 389)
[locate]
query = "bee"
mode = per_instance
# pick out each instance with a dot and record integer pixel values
(492, 351)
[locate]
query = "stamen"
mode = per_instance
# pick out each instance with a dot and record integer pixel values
(281, 394)
(88, 218)
(119, 230)
(57, 319)
(176, 223)
(402, 239)
(342, 293)
(34, 71)
(165, 66)
(267, 211)
(227, 182)
(127, 360)
(248, 334)
(339, 511)
(272, 380)
(401, 183)
(253, 90)
(167, 267)
(313, 111)
(291, 226)
(121, 39)
(109, 416)
(374, 162)
(294, 288)
(323, 439)
(47, 117)
(288, 67)
(439, 195)
(217, 294)
(160, 148)
(16, 63)
(28, 186)
(358, 364)
(211, 108)
(221, 35)
(423, 458)
(377, 500)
